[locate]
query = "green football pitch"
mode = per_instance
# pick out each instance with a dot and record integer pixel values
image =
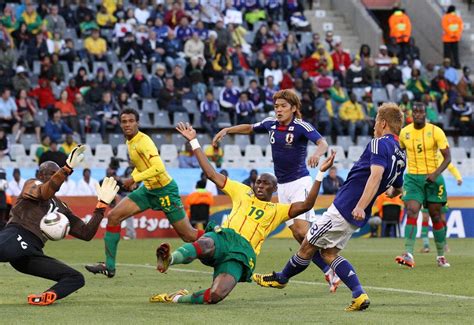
(426, 294)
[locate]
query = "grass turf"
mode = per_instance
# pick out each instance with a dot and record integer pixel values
(442, 295)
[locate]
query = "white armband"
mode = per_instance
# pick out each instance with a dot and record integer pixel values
(194, 144)
(320, 176)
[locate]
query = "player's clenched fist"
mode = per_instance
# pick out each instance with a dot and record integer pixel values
(358, 213)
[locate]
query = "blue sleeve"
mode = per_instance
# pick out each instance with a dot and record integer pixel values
(66, 129)
(399, 181)
(379, 153)
(263, 125)
(310, 132)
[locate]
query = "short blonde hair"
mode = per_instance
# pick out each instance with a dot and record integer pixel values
(393, 115)
(291, 97)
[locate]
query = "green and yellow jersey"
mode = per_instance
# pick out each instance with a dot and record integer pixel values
(250, 217)
(149, 167)
(422, 147)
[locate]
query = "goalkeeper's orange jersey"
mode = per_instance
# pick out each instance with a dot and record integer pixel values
(250, 217)
(422, 147)
(149, 167)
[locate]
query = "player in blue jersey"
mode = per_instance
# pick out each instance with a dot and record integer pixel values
(380, 168)
(289, 136)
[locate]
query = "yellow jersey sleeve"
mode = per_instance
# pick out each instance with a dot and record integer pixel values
(148, 153)
(235, 189)
(440, 138)
(455, 172)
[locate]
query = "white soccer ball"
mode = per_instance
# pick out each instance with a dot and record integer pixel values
(55, 226)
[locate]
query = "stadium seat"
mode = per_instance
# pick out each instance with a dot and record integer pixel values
(466, 142)
(42, 117)
(242, 140)
(37, 67)
(149, 106)
(191, 106)
(93, 139)
(77, 65)
(159, 139)
(268, 151)
(261, 139)
(27, 140)
(17, 152)
(223, 120)
(133, 103)
(122, 152)
(32, 152)
(116, 139)
(344, 141)
(103, 152)
(204, 138)
(359, 92)
(363, 140)
(217, 92)
(379, 95)
(162, 120)
(169, 155)
(261, 116)
(232, 151)
(458, 154)
(253, 151)
(340, 155)
(98, 64)
(123, 66)
(451, 141)
(354, 153)
(5, 162)
(146, 121)
(65, 68)
(180, 117)
(178, 140)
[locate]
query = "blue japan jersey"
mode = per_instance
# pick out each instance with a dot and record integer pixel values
(384, 151)
(289, 146)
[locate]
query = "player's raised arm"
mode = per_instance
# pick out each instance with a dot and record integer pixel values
(189, 133)
(299, 208)
(236, 129)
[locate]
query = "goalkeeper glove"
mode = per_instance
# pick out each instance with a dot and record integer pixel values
(107, 191)
(75, 157)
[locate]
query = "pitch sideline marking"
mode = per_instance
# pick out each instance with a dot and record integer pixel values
(425, 293)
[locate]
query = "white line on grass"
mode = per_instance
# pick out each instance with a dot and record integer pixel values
(425, 293)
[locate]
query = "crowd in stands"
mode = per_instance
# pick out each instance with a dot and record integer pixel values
(69, 67)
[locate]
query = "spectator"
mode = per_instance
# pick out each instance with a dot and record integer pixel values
(291, 46)
(354, 76)
(169, 99)
(88, 26)
(8, 19)
(55, 127)
(341, 61)
(107, 114)
(198, 204)
(338, 94)
(105, 19)
(392, 79)
(400, 30)
(308, 109)
(44, 146)
(9, 112)
(269, 89)
(31, 18)
(324, 81)
(465, 85)
(261, 38)
(54, 154)
(450, 73)
(431, 111)
(417, 85)
(352, 115)
(68, 144)
(37, 49)
(68, 111)
(327, 113)
(364, 54)
(57, 70)
(329, 43)
(123, 101)
(332, 182)
(462, 116)
(87, 185)
(274, 71)
(182, 83)
(452, 25)
(82, 79)
(7, 57)
(21, 37)
(250, 181)
(138, 86)
(383, 60)
(20, 80)
(323, 59)
(371, 74)
(153, 48)
(228, 98)
(173, 51)
(224, 38)
(121, 29)
(186, 158)
(68, 188)
(209, 109)
(85, 115)
(96, 47)
(54, 22)
(4, 144)
(43, 94)
(173, 16)
(256, 95)
(183, 31)
(157, 81)
(370, 109)
(215, 154)
(15, 186)
(27, 115)
(222, 64)
(407, 108)
(131, 51)
(82, 11)
(282, 57)
(194, 46)
(72, 90)
(245, 110)
(56, 43)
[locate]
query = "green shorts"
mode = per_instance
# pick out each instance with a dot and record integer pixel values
(164, 199)
(233, 254)
(415, 187)
(444, 209)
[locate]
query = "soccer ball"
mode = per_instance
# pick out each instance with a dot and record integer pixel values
(55, 226)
